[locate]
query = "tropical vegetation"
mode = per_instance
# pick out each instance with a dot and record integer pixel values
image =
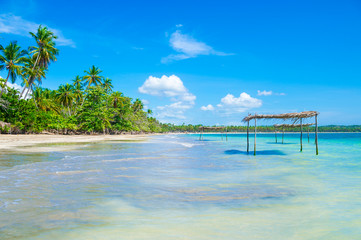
(87, 104)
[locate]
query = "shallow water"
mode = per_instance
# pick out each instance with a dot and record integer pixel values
(177, 187)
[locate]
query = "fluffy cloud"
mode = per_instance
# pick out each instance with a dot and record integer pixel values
(18, 88)
(173, 88)
(209, 107)
(230, 104)
(188, 47)
(264, 93)
(12, 24)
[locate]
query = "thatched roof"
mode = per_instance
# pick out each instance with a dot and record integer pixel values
(284, 116)
(293, 125)
(211, 128)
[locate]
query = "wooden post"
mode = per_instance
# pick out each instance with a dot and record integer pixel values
(255, 135)
(301, 134)
(275, 134)
(316, 137)
(226, 134)
(200, 134)
(308, 134)
(283, 133)
(248, 136)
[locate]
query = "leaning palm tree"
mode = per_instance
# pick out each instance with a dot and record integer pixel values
(65, 96)
(78, 88)
(31, 75)
(137, 105)
(11, 59)
(92, 77)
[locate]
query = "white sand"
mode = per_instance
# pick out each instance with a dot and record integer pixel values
(23, 143)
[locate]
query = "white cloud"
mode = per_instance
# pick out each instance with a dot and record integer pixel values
(188, 47)
(19, 89)
(179, 25)
(173, 88)
(264, 93)
(12, 24)
(231, 104)
(209, 107)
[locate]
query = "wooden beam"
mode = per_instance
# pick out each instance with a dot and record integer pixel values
(283, 133)
(316, 137)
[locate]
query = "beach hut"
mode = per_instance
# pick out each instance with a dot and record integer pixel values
(295, 117)
(223, 129)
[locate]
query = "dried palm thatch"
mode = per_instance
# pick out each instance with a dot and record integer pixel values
(284, 116)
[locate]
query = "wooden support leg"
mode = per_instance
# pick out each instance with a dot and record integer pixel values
(316, 137)
(247, 136)
(283, 133)
(255, 135)
(301, 135)
(308, 134)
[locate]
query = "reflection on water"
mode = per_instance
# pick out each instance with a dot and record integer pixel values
(177, 187)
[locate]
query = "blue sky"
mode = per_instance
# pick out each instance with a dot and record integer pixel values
(208, 62)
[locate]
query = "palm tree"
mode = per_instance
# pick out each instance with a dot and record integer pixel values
(46, 51)
(12, 58)
(137, 105)
(107, 85)
(116, 99)
(30, 75)
(92, 77)
(78, 88)
(65, 96)
(42, 54)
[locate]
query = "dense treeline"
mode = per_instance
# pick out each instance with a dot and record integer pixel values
(329, 128)
(86, 105)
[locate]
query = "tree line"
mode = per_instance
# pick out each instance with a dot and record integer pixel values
(195, 128)
(88, 104)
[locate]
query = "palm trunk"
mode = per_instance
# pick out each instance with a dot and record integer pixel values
(7, 78)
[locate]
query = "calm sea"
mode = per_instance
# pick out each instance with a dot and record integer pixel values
(177, 187)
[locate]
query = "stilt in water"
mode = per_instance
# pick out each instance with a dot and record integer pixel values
(308, 134)
(247, 136)
(283, 133)
(255, 135)
(301, 134)
(316, 137)
(276, 135)
(226, 134)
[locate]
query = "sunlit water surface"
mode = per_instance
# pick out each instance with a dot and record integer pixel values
(177, 187)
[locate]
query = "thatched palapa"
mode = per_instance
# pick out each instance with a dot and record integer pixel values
(284, 116)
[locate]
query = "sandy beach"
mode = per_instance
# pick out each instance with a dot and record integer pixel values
(37, 142)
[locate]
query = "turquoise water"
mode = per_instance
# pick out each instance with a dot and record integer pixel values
(177, 187)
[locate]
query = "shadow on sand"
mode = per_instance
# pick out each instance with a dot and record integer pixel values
(262, 152)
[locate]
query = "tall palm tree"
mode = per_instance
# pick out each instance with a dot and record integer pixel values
(45, 51)
(92, 77)
(107, 85)
(65, 96)
(11, 59)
